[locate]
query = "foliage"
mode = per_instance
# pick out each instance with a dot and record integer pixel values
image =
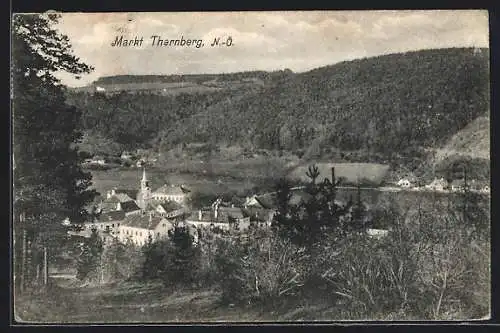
(174, 260)
(316, 214)
(89, 264)
(49, 185)
(367, 104)
(362, 107)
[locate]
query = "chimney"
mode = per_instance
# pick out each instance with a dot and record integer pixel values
(216, 210)
(333, 174)
(199, 215)
(150, 216)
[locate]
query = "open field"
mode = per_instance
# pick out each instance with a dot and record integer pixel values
(206, 177)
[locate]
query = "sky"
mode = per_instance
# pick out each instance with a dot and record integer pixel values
(299, 41)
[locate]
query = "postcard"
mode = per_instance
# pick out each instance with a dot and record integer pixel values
(250, 167)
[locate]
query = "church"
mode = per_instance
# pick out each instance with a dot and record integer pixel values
(144, 199)
(137, 214)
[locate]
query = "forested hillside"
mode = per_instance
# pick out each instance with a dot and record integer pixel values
(388, 105)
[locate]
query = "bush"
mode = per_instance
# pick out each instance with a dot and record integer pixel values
(265, 269)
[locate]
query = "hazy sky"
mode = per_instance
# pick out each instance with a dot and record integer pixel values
(262, 40)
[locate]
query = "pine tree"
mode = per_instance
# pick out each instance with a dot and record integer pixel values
(318, 215)
(89, 260)
(184, 260)
(49, 184)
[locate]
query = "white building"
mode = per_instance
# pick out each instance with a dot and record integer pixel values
(139, 228)
(169, 193)
(437, 185)
(404, 183)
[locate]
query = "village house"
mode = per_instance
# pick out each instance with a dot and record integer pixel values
(119, 202)
(457, 185)
(126, 155)
(404, 183)
(168, 209)
(437, 185)
(220, 216)
(99, 160)
(107, 222)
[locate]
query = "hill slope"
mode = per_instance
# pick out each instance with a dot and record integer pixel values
(388, 106)
(473, 141)
(389, 103)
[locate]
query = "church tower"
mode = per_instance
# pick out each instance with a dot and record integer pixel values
(144, 194)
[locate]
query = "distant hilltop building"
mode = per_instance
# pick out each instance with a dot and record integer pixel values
(99, 89)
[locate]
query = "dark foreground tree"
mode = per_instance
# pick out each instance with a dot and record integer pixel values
(89, 260)
(49, 184)
(316, 214)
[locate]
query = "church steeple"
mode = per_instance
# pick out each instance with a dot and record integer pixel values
(144, 180)
(144, 194)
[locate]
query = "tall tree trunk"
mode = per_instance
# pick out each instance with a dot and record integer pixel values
(37, 278)
(45, 266)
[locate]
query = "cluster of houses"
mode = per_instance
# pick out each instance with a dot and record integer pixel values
(442, 185)
(135, 159)
(137, 215)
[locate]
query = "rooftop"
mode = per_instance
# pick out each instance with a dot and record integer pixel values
(111, 216)
(129, 206)
(119, 197)
(142, 221)
(169, 190)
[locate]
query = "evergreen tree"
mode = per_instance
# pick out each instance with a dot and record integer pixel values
(184, 260)
(318, 214)
(49, 184)
(89, 260)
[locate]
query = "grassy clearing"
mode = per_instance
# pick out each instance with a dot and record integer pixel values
(208, 177)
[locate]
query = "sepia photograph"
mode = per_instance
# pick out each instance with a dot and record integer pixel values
(250, 167)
